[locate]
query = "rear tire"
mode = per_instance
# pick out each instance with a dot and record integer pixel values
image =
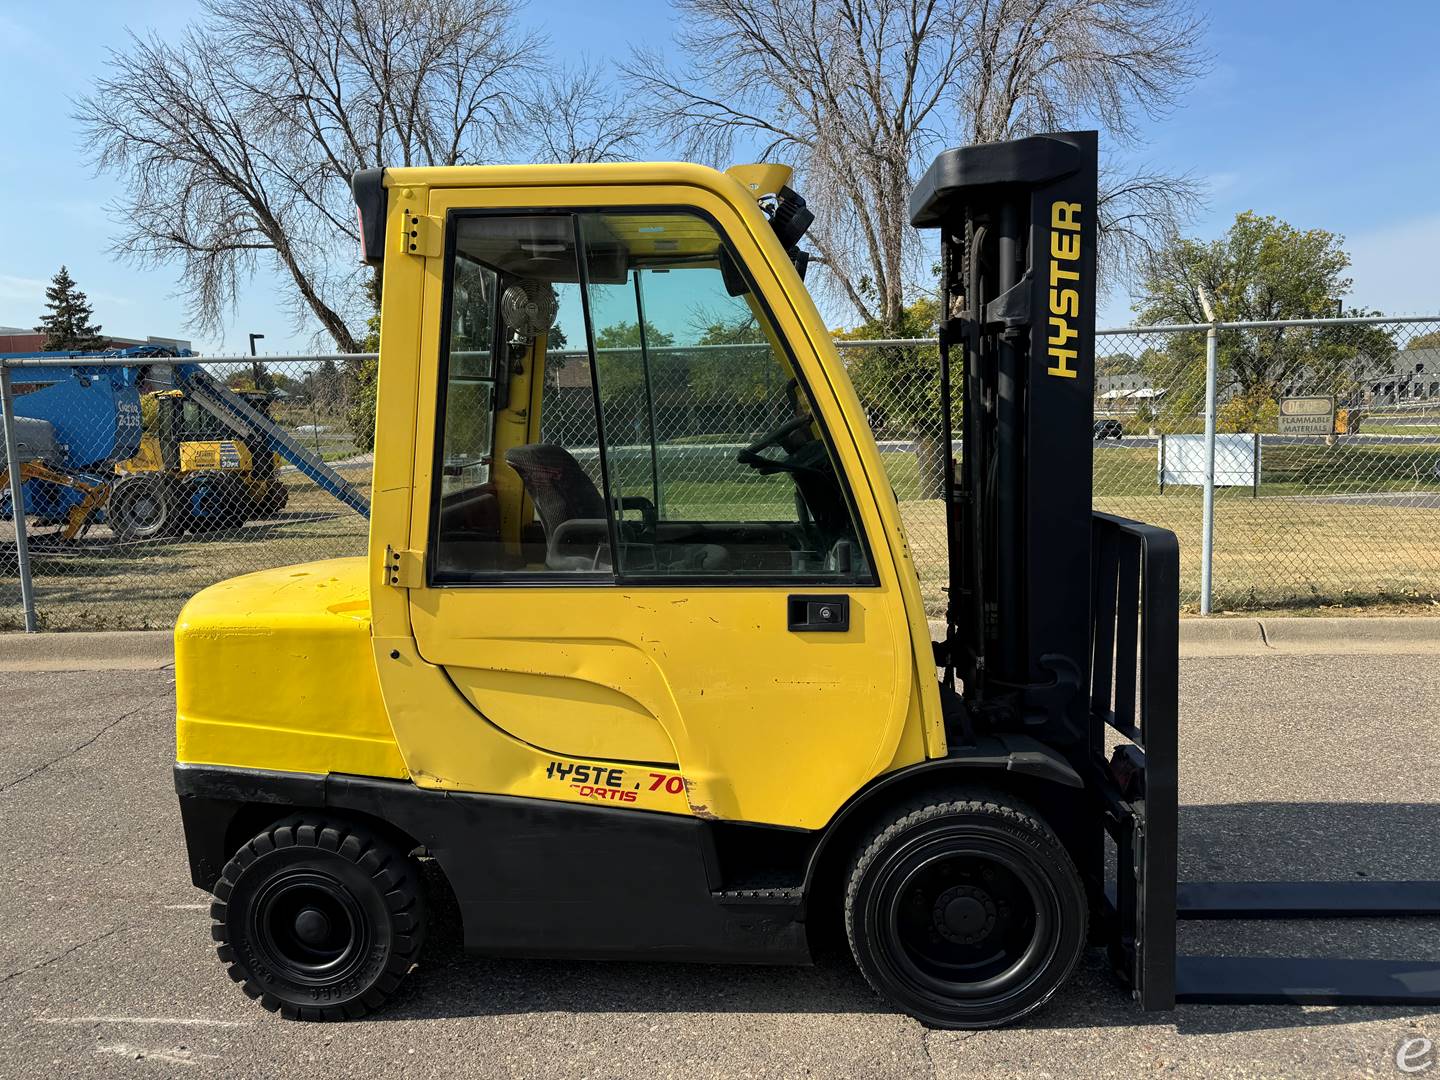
(318, 919)
(965, 911)
(140, 508)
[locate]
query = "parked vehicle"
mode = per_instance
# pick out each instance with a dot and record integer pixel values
(634, 702)
(194, 456)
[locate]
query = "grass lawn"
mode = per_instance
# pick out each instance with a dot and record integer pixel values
(1270, 553)
(1290, 470)
(94, 584)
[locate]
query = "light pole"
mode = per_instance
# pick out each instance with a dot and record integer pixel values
(255, 364)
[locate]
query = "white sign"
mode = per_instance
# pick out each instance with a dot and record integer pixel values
(1182, 460)
(1307, 416)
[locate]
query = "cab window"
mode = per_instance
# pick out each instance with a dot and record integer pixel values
(717, 464)
(512, 301)
(617, 405)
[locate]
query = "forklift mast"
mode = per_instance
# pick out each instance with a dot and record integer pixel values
(1063, 623)
(1017, 249)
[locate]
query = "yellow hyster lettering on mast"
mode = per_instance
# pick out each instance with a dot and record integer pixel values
(1064, 302)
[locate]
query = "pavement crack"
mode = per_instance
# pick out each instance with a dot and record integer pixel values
(1264, 637)
(925, 1047)
(5, 979)
(38, 769)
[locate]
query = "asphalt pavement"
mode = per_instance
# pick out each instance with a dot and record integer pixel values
(1294, 765)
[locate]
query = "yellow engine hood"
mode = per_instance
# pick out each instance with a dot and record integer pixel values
(274, 670)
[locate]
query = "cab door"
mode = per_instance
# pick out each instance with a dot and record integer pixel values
(635, 501)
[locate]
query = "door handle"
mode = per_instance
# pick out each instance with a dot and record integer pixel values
(815, 614)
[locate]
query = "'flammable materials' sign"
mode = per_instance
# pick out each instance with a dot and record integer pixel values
(1307, 416)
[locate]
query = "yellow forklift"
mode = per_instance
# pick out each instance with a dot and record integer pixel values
(639, 661)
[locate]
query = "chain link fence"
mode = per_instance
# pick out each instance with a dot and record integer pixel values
(146, 479)
(1337, 502)
(1327, 457)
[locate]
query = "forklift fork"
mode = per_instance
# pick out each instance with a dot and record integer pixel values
(1135, 613)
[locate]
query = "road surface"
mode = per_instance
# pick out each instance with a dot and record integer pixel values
(106, 968)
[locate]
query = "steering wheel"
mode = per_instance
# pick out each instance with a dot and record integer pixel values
(751, 454)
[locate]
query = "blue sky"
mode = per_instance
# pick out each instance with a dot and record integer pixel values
(1324, 113)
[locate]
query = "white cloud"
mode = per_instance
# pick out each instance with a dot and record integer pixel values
(1394, 268)
(1220, 183)
(22, 301)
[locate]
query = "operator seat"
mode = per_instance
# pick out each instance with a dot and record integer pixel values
(563, 493)
(572, 512)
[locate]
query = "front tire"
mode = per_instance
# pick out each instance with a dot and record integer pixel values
(965, 911)
(318, 919)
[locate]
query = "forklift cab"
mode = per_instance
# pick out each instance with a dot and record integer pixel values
(636, 524)
(689, 412)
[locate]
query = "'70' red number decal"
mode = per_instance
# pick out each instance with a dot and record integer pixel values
(672, 784)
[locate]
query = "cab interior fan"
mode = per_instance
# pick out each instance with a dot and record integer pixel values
(529, 307)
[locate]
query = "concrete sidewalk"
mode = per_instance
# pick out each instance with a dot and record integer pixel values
(139, 650)
(108, 650)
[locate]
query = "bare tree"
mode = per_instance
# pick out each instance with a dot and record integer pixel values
(236, 143)
(859, 95)
(574, 115)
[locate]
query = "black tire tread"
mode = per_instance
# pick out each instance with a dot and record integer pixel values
(394, 876)
(932, 806)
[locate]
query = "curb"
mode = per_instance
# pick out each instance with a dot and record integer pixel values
(1301, 636)
(1389, 634)
(1316, 636)
(99, 650)
(141, 650)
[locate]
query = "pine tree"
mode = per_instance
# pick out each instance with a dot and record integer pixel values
(67, 327)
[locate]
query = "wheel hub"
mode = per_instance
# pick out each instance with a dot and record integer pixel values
(309, 927)
(965, 914)
(312, 927)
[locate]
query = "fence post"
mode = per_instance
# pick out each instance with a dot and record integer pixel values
(17, 500)
(1207, 514)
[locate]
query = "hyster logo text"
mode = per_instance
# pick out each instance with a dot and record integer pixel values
(1064, 298)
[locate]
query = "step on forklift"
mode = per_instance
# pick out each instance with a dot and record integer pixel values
(639, 662)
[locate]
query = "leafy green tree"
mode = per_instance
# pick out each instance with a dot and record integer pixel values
(1118, 363)
(746, 375)
(1425, 341)
(1251, 412)
(626, 385)
(68, 326)
(899, 387)
(363, 377)
(1261, 269)
(618, 358)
